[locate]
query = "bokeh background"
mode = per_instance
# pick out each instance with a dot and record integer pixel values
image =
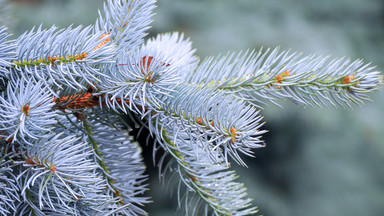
(318, 161)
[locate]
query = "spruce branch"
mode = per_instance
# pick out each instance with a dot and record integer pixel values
(9, 192)
(210, 187)
(65, 149)
(64, 58)
(177, 52)
(26, 111)
(122, 157)
(142, 76)
(220, 123)
(266, 76)
(56, 172)
(125, 22)
(7, 53)
(106, 134)
(138, 78)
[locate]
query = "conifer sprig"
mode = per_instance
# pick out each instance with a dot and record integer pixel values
(56, 173)
(220, 123)
(65, 150)
(209, 186)
(117, 156)
(266, 76)
(9, 195)
(125, 23)
(26, 111)
(61, 59)
(7, 52)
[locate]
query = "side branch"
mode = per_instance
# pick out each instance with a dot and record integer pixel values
(102, 164)
(53, 61)
(265, 76)
(214, 184)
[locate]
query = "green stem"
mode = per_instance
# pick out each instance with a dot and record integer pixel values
(52, 61)
(262, 83)
(100, 161)
(171, 147)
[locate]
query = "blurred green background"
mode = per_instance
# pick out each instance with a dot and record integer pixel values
(317, 161)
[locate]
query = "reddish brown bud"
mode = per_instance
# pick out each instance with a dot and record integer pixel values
(25, 109)
(199, 121)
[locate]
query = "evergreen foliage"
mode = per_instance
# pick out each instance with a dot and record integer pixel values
(65, 146)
